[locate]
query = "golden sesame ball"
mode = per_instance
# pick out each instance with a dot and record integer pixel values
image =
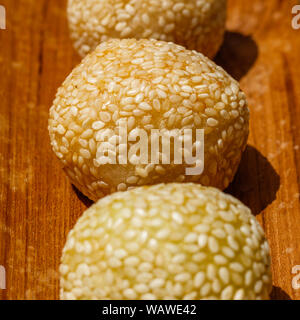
(174, 241)
(196, 24)
(150, 85)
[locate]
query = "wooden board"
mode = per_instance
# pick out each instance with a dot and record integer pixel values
(38, 206)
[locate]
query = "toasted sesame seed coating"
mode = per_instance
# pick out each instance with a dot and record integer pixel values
(173, 241)
(196, 24)
(152, 85)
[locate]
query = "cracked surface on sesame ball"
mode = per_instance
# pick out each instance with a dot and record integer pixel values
(196, 24)
(174, 241)
(152, 85)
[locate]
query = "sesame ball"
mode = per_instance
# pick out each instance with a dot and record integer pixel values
(173, 241)
(196, 24)
(150, 85)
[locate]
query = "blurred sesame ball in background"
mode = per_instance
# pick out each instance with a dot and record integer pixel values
(195, 24)
(150, 85)
(175, 241)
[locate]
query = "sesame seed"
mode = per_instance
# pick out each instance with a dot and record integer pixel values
(105, 117)
(130, 294)
(199, 279)
(130, 9)
(227, 293)
(239, 295)
(145, 18)
(178, 7)
(98, 125)
(120, 26)
(161, 94)
(169, 28)
(85, 153)
(60, 129)
(145, 106)
(156, 283)
(212, 122)
(205, 289)
(213, 244)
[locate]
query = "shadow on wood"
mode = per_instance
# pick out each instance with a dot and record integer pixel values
(237, 54)
(85, 200)
(279, 294)
(256, 182)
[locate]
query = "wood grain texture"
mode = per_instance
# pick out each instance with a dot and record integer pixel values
(38, 206)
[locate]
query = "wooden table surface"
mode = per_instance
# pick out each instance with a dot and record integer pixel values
(38, 206)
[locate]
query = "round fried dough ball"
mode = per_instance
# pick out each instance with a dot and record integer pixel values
(195, 24)
(174, 241)
(150, 85)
